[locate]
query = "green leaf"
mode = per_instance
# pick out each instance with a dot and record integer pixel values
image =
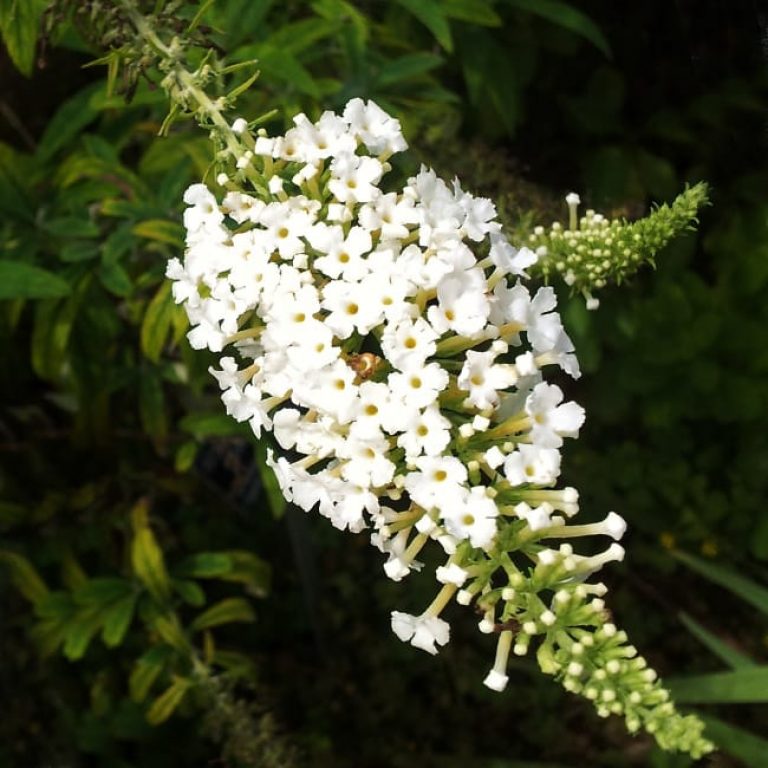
(23, 281)
(161, 231)
(169, 628)
(408, 66)
(746, 589)
(203, 425)
(282, 65)
(472, 11)
(115, 279)
(741, 686)
(722, 650)
(229, 610)
(71, 226)
(102, 591)
(190, 592)
(250, 570)
(147, 557)
(185, 456)
(79, 251)
(79, 633)
(432, 16)
(753, 750)
(157, 322)
(71, 117)
(117, 619)
(55, 605)
(164, 706)
(24, 576)
(269, 482)
(154, 418)
(146, 670)
(566, 16)
(205, 565)
(20, 27)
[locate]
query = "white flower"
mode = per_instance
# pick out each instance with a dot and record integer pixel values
(471, 515)
(532, 464)
(483, 380)
(408, 343)
(423, 631)
(552, 421)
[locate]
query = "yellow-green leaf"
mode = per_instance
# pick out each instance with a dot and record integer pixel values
(165, 704)
(157, 322)
(226, 611)
(161, 231)
(147, 557)
(24, 576)
(169, 629)
(146, 670)
(117, 618)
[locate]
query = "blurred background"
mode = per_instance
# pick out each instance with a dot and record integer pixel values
(160, 606)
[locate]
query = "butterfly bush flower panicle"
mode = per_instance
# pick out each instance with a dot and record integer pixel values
(390, 340)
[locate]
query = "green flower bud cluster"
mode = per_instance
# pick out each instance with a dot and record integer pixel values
(542, 600)
(595, 251)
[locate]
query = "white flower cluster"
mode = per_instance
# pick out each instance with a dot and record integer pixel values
(389, 342)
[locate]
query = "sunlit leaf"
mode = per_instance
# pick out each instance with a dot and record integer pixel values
(165, 705)
(231, 609)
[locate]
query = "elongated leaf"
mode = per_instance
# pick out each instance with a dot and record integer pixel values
(154, 418)
(741, 686)
(407, 66)
(146, 671)
(722, 650)
(168, 627)
(23, 281)
(162, 231)
(269, 482)
(205, 565)
(157, 322)
(432, 16)
(250, 570)
(24, 576)
(472, 11)
(752, 749)
(55, 606)
(20, 28)
(229, 610)
(79, 633)
(742, 587)
(71, 117)
(284, 66)
(102, 591)
(185, 456)
(116, 620)
(565, 15)
(146, 555)
(165, 705)
(190, 592)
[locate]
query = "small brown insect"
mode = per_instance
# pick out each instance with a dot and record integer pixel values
(364, 365)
